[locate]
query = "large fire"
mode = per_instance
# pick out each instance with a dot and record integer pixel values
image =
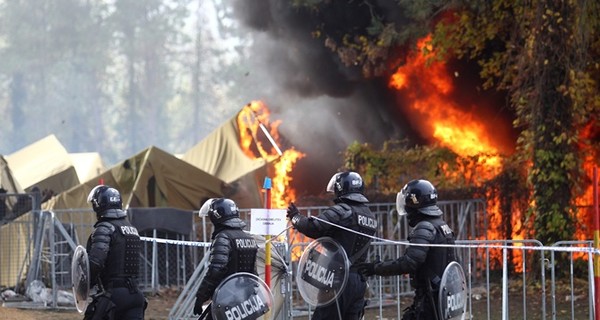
(259, 135)
(255, 118)
(427, 85)
(439, 118)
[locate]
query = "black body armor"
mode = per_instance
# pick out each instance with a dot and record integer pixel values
(114, 251)
(437, 257)
(349, 214)
(232, 250)
(423, 262)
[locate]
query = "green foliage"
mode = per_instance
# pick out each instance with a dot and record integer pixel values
(540, 53)
(371, 47)
(543, 53)
(388, 169)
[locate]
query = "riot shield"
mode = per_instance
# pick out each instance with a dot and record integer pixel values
(242, 295)
(453, 290)
(80, 278)
(322, 271)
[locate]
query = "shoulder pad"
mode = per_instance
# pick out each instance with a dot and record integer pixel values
(344, 206)
(342, 209)
(222, 235)
(424, 230)
(106, 225)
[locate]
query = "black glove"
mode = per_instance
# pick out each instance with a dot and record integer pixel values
(367, 269)
(198, 306)
(292, 211)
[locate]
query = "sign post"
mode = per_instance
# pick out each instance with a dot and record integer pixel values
(267, 187)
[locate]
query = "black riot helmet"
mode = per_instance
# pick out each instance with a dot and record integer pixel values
(106, 202)
(418, 196)
(347, 185)
(222, 211)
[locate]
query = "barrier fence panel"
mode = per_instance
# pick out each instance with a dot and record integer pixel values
(513, 275)
(162, 264)
(466, 218)
(574, 271)
(506, 279)
(16, 232)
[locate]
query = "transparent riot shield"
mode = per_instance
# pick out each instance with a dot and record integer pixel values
(80, 278)
(322, 271)
(453, 290)
(242, 295)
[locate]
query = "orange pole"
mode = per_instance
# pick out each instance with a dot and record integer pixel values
(596, 245)
(267, 187)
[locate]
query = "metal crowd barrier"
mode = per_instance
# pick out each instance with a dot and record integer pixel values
(507, 279)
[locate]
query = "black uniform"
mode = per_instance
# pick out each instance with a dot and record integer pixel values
(354, 215)
(114, 251)
(232, 249)
(424, 264)
(114, 257)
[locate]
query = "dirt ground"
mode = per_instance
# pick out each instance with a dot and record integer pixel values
(159, 306)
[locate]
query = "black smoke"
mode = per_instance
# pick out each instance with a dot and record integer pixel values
(324, 105)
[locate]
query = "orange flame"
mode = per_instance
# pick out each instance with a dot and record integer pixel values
(443, 121)
(282, 192)
(254, 124)
(251, 120)
(427, 87)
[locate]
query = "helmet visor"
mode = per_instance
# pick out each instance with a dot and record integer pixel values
(331, 184)
(206, 207)
(401, 203)
(90, 196)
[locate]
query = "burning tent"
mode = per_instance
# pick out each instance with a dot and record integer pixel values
(221, 155)
(242, 152)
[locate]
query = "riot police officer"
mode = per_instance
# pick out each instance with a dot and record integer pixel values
(232, 249)
(426, 264)
(114, 254)
(351, 212)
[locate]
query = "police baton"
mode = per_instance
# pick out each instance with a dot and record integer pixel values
(205, 312)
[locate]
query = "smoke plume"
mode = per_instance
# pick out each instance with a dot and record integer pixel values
(324, 106)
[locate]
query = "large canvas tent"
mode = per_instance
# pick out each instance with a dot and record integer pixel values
(152, 178)
(87, 165)
(220, 155)
(10, 246)
(9, 187)
(44, 164)
(7, 181)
